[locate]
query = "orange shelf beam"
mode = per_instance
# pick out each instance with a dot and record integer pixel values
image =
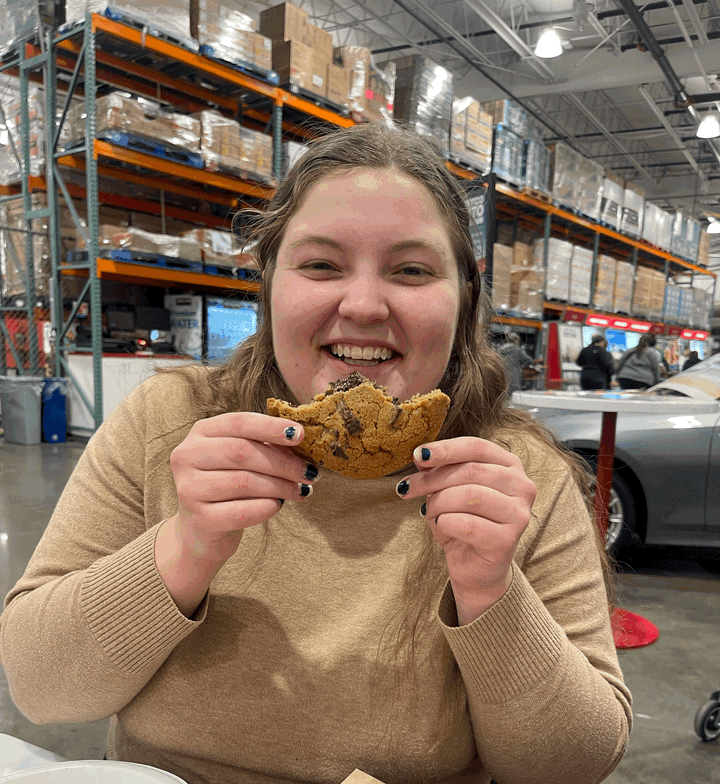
(160, 276)
(512, 321)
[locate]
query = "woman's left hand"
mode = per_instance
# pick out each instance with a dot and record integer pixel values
(478, 506)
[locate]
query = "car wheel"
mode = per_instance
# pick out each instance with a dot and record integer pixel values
(621, 514)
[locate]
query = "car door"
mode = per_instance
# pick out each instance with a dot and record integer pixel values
(712, 494)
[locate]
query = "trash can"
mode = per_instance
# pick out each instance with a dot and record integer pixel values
(54, 422)
(21, 398)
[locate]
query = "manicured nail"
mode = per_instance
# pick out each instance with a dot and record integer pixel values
(311, 473)
(423, 509)
(290, 433)
(403, 487)
(282, 501)
(305, 490)
(425, 453)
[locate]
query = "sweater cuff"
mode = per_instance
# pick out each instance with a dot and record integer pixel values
(512, 647)
(129, 609)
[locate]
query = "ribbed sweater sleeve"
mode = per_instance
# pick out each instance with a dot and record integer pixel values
(543, 656)
(90, 621)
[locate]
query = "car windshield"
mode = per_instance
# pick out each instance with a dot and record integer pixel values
(702, 381)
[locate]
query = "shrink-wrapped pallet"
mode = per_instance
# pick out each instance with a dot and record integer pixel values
(371, 87)
(507, 113)
(137, 240)
(692, 239)
(226, 146)
(559, 263)
(605, 283)
(507, 155)
(128, 114)
(218, 248)
(651, 224)
(577, 182)
(19, 20)
(622, 299)
(527, 293)
(611, 203)
(686, 306)
(581, 275)
(703, 256)
(471, 134)
(536, 166)
(225, 31)
(702, 308)
(679, 230)
(633, 210)
(423, 97)
(671, 306)
(167, 19)
(641, 292)
(502, 276)
(10, 135)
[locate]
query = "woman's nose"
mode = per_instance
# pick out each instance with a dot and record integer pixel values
(364, 301)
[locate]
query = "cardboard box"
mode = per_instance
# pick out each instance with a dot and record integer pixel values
(284, 22)
(336, 84)
(320, 41)
(294, 63)
(471, 134)
(502, 277)
(526, 290)
(605, 283)
(522, 255)
(622, 302)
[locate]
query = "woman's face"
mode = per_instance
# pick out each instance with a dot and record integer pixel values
(365, 270)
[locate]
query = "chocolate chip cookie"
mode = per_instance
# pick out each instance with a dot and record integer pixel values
(357, 429)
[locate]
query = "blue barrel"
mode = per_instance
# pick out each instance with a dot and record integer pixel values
(54, 421)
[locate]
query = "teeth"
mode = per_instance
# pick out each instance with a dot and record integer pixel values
(358, 353)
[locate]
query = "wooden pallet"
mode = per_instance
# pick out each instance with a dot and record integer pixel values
(537, 195)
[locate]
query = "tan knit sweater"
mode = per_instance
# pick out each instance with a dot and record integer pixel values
(280, 675)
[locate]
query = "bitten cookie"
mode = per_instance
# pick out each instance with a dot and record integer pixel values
(357, 429)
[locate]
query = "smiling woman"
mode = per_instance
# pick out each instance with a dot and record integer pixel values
(250, 617)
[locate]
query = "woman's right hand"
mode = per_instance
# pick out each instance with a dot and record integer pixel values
(231, 472)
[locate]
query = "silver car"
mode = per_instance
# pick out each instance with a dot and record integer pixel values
(666, 484)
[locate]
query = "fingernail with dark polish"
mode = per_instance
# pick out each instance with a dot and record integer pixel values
(311, 473)
(290, 433)
(305, 490)
(425, 453)
(403, 487)
(423, 509)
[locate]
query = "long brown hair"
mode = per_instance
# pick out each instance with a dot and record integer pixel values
(645, 342)
(474, 378)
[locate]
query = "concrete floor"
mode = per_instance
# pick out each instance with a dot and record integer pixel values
(677, 589)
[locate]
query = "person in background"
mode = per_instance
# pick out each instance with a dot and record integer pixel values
(597, 364)
(693, 359)
(639, 367)
(515, 360)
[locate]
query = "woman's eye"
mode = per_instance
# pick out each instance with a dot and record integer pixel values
(414, 271)
(318, 265)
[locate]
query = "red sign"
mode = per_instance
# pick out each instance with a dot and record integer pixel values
(574, 315)
(692, 334)
(657, 329)
(673, 332)
(621, 322)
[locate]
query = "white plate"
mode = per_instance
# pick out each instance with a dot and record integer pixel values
(92, 772)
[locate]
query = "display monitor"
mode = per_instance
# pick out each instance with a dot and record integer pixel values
(632, 339)
(228, 323)
(587, 333)
(617, 340)
(152, 318)
(699, 346)
(121, 320)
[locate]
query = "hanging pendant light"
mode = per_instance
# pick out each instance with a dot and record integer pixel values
(549, 44)
(709, 128)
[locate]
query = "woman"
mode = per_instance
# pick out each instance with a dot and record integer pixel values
(639, 367)
(692, 360)
(596, 363)
(241, 628)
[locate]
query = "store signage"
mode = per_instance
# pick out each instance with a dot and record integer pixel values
(574, 315)
(673, 332)
(620, 322)
(693, 334)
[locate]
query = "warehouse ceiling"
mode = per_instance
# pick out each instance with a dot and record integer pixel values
(620, 93)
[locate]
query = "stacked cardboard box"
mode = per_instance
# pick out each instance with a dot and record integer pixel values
(226, 146)
(471, 133)
(123, 112)
(605, 283)
(559, 263)
(641, 293)
(703, 256)
(581, 275)
(633, 210)
(301, 51)
(657, 226)
(502, 276)
(622, 300)
(672, 303)
(576, 181)
(508, 114)
(692, 239)
(536, 165)
(423, 97)
(702, 308)
(611, 203)
(371, 87)
(508, 155)
(229, 33)
(134, 239)
(217, 248)
(170, 17)
(657, 295)
(686, 306)
(526, 283)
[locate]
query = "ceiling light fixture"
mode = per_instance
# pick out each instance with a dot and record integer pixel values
(549, 44)
(713, 227)
(709, 128)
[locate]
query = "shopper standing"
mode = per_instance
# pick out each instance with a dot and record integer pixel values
(639, 367)
(693, 359)
(515, 360)
(596, 363)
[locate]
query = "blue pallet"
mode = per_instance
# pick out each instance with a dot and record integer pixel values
(142, 144)
(247, 274)
(250, 69)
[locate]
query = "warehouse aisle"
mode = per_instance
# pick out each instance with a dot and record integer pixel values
(677, 590)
